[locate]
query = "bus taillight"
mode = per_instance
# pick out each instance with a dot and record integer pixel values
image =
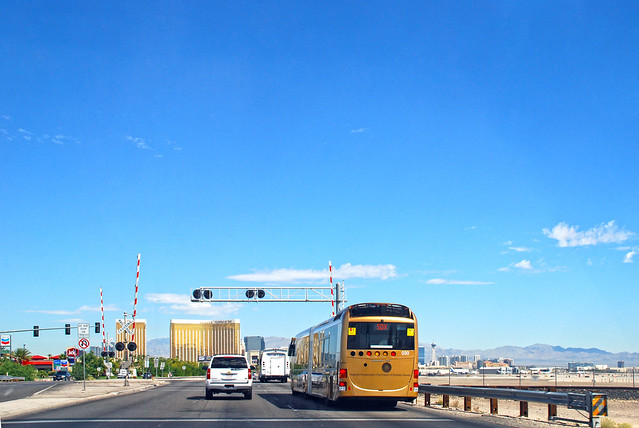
(416, 374)
(343, 374)
(416, 387)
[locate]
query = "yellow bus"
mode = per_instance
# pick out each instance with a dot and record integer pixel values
(368, 351)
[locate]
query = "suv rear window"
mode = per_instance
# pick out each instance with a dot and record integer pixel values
(229, 363)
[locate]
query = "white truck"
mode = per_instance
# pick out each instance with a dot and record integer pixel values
(274, 365)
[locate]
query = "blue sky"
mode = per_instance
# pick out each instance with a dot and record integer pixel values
(475, 161)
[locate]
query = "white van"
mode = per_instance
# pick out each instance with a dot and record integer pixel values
(274, 365)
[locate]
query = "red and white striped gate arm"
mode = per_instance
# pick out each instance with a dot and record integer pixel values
(135, 302)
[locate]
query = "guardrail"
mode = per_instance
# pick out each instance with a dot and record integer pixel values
(5, 378)
(594, 403)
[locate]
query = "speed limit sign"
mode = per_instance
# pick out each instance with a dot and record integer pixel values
(83, 343)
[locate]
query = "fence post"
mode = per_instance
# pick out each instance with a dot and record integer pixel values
(467, 404)
(493, 406)
(426, 399)
(523, 409)
(445, 401)
(552, 408)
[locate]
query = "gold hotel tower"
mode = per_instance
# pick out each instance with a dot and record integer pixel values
(191, 339)
(140, 336)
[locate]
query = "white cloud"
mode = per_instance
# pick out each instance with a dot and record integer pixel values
(293, 276)
(140, 143)
(520, 249)
(181, 303)
(524, 264)
(440, 281)
(629, 257)
(570, 236)
(358, 131)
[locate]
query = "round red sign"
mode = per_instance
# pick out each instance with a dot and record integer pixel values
(83, 343)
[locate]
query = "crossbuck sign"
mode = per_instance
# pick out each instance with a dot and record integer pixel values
(125, 327)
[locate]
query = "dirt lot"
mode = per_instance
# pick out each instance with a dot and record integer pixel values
(623, 409)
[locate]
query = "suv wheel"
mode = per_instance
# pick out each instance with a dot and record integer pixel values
(209, 395)
(248, 395)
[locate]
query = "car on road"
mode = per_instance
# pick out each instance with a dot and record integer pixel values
(62, 375)
(147, 375)
(228, 374)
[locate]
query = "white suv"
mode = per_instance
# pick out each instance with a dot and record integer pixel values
(229, 373)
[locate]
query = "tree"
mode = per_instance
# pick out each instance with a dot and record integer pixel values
(22, 354)
(13, 368)
(92, 364)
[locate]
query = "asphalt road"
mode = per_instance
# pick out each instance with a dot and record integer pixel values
(182, 403)
(16, 390)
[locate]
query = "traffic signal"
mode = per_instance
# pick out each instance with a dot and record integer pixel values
(104, 353)
(199, 293)
(131, 346)
(261, 293)
(97, 327)
(67, 329)
(250, 294)
(36, 331)
(119, 346)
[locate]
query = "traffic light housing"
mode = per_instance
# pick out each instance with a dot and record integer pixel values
(252, 293)
(67, 329)
(131, 346)
(97, 327)
(119, 346)
(36, 331)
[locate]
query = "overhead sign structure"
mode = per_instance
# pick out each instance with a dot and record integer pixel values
(83, 343)
(83, 329)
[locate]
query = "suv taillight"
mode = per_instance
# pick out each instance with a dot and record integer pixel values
(208, 373)
(249, 373)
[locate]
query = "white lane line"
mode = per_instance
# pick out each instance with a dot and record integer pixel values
(297, 420)
(45, 389)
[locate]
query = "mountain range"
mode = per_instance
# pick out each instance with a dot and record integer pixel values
(546, 355)
(538, 354)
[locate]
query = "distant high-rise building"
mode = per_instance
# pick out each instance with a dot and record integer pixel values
(254, 343)
(444, 360)
(476, 358)
(139, 338)
(191, 339)
(621, 364)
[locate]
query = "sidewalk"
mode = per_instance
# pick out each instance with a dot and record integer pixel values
(61, 394)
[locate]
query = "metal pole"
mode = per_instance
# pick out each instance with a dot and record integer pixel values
(84, 371)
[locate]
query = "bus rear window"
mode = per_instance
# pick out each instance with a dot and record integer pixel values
(379, 310)
(380, 335)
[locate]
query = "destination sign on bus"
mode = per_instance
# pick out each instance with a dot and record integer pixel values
(381, 327)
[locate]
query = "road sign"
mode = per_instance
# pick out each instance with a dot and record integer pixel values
(83, 343)
(146, 362)
(156, 360)
(83, 329)
(72, 352)
(125, 327)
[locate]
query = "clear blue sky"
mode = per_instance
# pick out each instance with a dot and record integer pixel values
(476, 161)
